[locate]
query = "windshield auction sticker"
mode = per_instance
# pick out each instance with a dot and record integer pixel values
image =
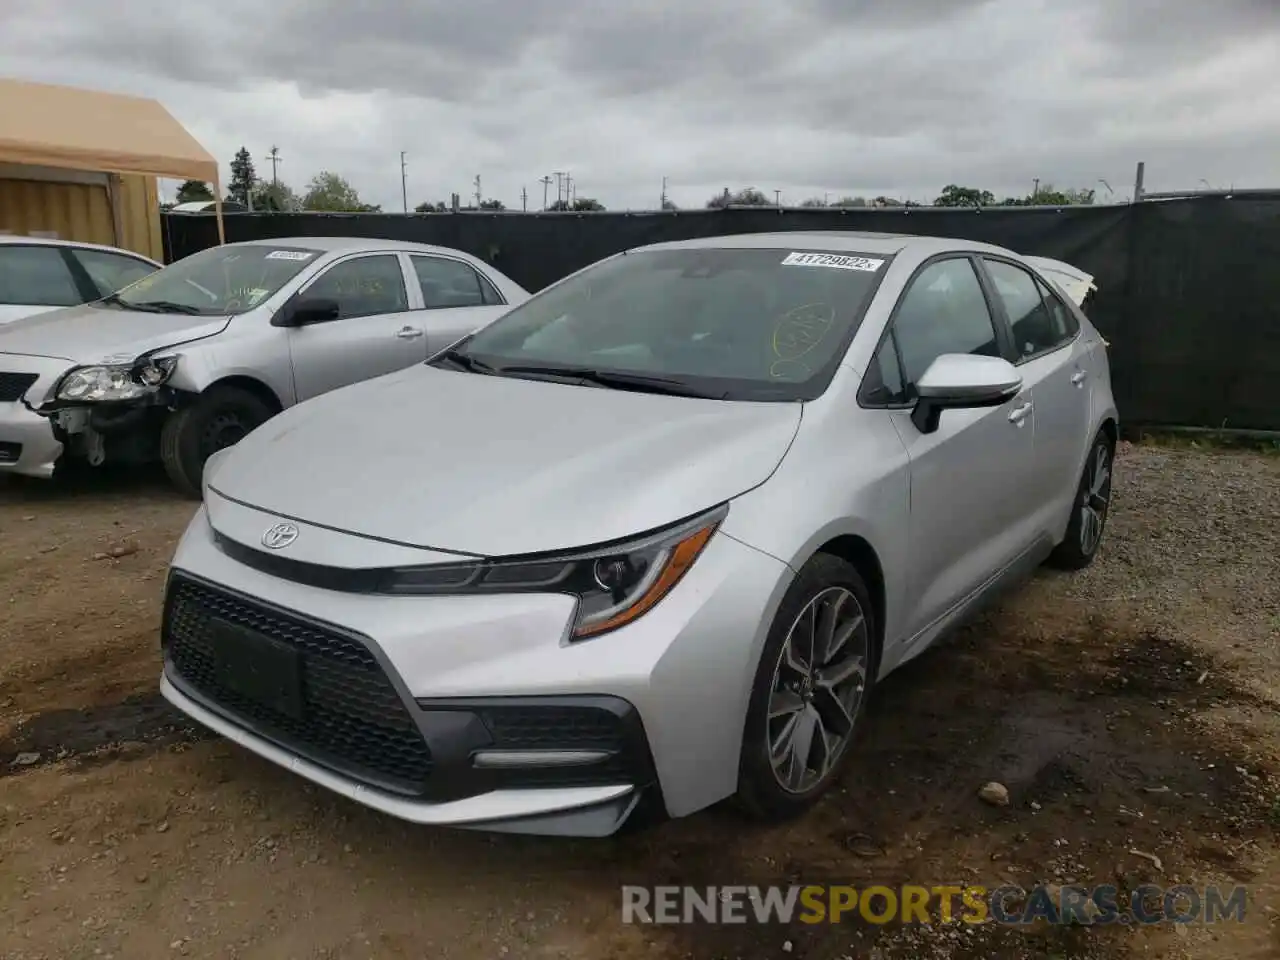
(834, 260)
(288, 255)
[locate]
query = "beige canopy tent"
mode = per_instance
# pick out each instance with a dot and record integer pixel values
(70, 128)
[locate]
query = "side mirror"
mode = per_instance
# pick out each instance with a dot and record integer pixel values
(962, 381)
(305, 311)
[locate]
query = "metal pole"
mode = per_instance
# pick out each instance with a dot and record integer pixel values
(1137, 181)
(404, 183)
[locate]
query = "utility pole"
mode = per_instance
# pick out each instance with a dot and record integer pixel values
(559, 175)
(662, 201)
(404, 183)
(777, 198)
(274, 158)
(524, 200)
(1139, 177)
(569, 188)
(1035, 193)
(546, 182)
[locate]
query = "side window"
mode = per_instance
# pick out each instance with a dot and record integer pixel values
(1033, 326)
(364, 286)
(943, 311)
(111, 271)
(883, 384)
(1064, 320)
(448, 283)
(492, 298)
(36, 276)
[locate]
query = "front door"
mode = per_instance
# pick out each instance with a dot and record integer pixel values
(375, 333)
(970, 512)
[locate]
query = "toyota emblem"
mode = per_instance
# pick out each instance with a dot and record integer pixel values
(279, 536)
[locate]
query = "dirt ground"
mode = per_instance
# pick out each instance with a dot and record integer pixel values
(1132, 707)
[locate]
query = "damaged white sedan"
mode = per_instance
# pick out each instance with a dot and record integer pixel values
(189, 359)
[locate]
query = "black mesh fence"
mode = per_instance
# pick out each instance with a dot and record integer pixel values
(1188, 290)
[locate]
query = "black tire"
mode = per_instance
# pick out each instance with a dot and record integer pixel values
(220, 417)
(1076, 551)
(760, 792)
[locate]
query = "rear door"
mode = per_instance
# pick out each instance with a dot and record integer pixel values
(35, 278)
(969, 503)
(1054, 366)
(456, 299)
(376, 332)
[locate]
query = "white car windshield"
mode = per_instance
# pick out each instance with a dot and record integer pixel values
(732, 323)
(220, 281)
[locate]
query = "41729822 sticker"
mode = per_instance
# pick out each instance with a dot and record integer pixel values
(836, 261)
(288, 255)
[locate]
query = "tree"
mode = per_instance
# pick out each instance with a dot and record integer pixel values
(330, 193)
(746, 197)
(957, 196)
(669, 205)
(588, 204)
(850, 202)
(814, 202)
(492, 205)
(243, 177)
(428, 207)
(277, 197)
(1047, 196)
(191, 191)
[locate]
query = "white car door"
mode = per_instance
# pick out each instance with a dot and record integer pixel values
(35, 278)
(376, 331)
(1054, 366)
(970, 509)
(457, 299)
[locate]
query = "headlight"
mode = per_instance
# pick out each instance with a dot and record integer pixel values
(112, 382)
(614, 585)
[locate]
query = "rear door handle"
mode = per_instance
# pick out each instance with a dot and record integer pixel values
(1019, 414)
(408, 333)
(1078, 377)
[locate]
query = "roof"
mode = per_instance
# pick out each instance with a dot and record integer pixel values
(55, 126)
(10, 238)
(843, 241)
(342, 244)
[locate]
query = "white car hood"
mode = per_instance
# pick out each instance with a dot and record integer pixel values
(497, 466)
(89, 334)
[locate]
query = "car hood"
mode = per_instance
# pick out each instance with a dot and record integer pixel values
(498, 466)
(89, 334)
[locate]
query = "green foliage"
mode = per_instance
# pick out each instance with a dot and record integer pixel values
(428, 207)
(746, 197)
(191, 191)
(330, 193)
(243, 177)
(956, 196)
(276, 197)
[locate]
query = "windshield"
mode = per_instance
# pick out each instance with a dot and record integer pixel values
(738, 324)
(215, 282)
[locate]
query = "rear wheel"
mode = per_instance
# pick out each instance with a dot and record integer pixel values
(1089, 509)
(219, 418)
(810, 690)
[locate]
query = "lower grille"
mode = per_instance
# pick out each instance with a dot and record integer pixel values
(10, 452)
(352, 719)
(13, 386)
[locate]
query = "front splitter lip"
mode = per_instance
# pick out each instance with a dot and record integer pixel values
(546, 810)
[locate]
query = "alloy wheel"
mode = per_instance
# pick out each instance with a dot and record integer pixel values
(1095, 498)
(818, 686)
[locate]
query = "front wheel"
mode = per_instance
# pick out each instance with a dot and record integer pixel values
(219, 418)
(1088, 510)
(810, 690)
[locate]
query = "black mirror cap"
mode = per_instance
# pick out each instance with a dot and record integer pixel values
(304, 311)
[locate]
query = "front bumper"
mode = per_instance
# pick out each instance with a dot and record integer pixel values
(28, 446)
(435, 709)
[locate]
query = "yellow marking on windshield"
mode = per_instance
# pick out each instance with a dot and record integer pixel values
(801, 329)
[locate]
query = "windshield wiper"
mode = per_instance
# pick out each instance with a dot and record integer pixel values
(163, 306)
(465, 361)
(617, 380)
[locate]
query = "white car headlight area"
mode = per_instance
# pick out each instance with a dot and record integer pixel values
(109, 383)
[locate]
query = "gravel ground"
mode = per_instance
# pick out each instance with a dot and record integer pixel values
(1129, 710)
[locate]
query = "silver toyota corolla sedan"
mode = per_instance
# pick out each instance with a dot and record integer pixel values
(189, 359)
(648, 540)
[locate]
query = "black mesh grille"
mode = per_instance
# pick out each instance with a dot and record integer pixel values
(563, 727)
(353, 719)
(14, 385)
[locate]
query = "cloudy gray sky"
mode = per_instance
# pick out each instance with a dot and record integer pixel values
(804, 96)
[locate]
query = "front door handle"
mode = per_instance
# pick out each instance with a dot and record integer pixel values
(1019, 414)
(408, 333)
(1078, 377)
